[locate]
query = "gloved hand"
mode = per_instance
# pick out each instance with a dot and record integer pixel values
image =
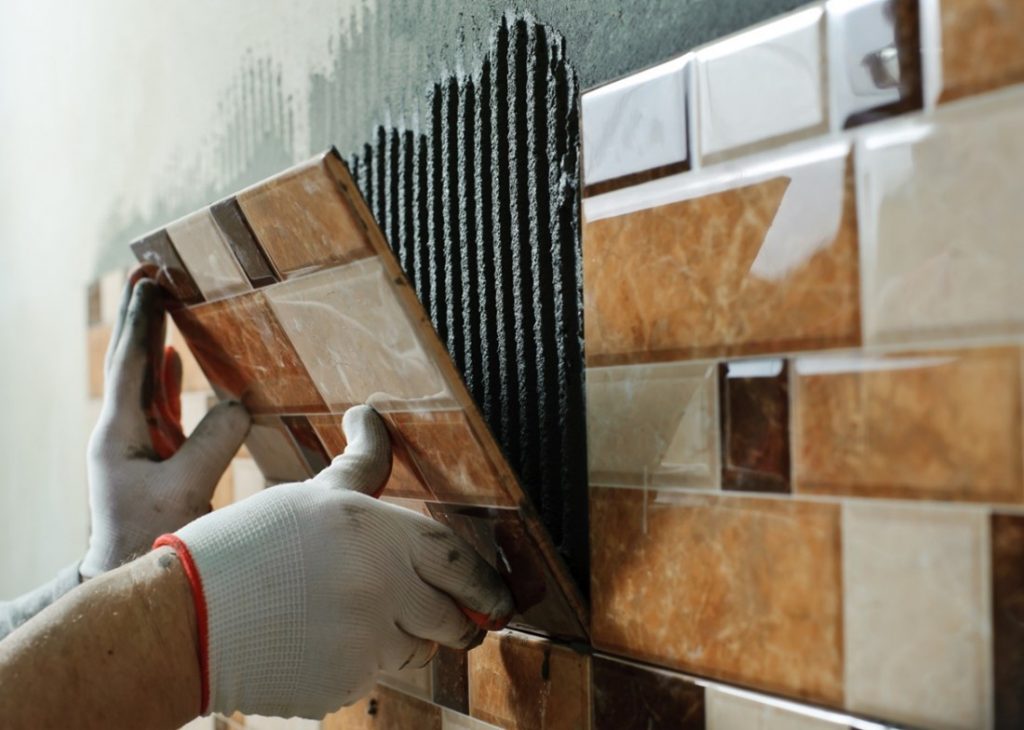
(304, 591)
(134, 496)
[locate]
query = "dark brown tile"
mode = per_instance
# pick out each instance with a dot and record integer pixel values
(1008, 619)
(627, 697)
(451, 679)
(157, 252)
(306, 439)
(232, 223)
(386, 709)
(754, 413)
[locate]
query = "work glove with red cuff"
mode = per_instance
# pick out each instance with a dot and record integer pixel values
(305, 591)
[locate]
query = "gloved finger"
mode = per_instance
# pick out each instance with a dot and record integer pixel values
(365, 465)
(429, 614)
(122, 312)
(401, 649)
(164, 413)
(205, 455)
(170, 382)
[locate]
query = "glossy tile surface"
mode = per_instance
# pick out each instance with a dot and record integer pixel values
(956, 271)
(627, 697)
(636, 124)
(925, 425)
(523, 683)
(304, 222)
(764, 84)
(456, 721)
(275, 451)
(652, 425)
(386, 709)
(240, 239)
(745, 590)
(917, 614)
(206, 255)
(727, 711)
(754, 404)
(157, 252)
(768, 262)
(450, 677)
(1008, 619)
(981, 46)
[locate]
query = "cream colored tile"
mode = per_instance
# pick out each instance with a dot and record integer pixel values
(415, 681)
(451, 720)
(256, 722)
(653, 425)
(205, 254)
(916, 607)
(727, 711)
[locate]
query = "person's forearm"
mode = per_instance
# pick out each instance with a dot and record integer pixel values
(16, 612)
(118, 652)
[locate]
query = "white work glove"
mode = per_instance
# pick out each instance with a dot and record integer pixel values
(134, 496)
(309, 589)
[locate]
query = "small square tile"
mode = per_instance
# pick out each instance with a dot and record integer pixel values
(1008, 619)
(385, 709)
(308, 442)
(97, 341)
(628, 697)
(157, 251)
(652, 425)
(205, 254)
(728, 711)
(981, 46)
(240, 239)
(917, 614)
(450, 679)
(754, 403)
(275, 452)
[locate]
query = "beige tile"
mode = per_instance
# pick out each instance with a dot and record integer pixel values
(653, 425)
(917, 627)
(727, 711)
(205, 254)
(386, 709)
(451, 720)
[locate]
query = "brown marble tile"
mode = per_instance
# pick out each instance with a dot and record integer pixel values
(928, 425)
(765, 266)
(385, 709)
(303, 221)
(524, 683)
(240, 239)
(754, 408)
(157, 251)
(450, 674)
(981, 45)
(1008, 619)
(748, 590)
(308, 442)
(97, 340)
(627, 697)
(245, 353)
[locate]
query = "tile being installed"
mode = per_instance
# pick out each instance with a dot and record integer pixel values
(754, 403)
(1008, 619)
(449, 671)
(275, 451)
(747, 590)
(916, 603)
(205, 254)
(652, 425)
(157, 253)
(742, 262)
(930, 425)
(628, 697)
(762, 86)
(981, 46)
(385, 709)
(729, 711)
(637, 124)
(955, 272)
(240, 239)
(457, 721)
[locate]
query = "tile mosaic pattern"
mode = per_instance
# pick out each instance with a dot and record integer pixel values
(629, 697)
(754, 400)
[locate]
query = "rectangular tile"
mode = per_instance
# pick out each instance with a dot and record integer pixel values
(1008, 619)
(303, 220)
(926, 425)
(385, 709)
(308, 442)
(450, 679)
(917, 614)
(747, 590)
(627, 697)
(956, 272)
(729, 711)
(457, 721)
(156, 252)
(754, 403)
(205, 254)
(981, 46)
(652, 425)
(724, 264)
(240, 239)
(522, 683)
(763, 85)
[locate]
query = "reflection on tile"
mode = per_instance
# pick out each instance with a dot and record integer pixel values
(97, 340)
(743, 589)
(636, 124)
(385, 709)
(917, 616)
(981, 46)
(450, 678)
(754, 402)
(928, 425)
(415, 681)
(1008, 619)
(157, 251)
(627, 697)
(303, 220)
(768, 266)
(955, 272)
(450, 457)
(240, 239)
(652, 425)
(764, 84)
(308, 442)
(500, 536)
(524, 683)
(354, 337)
(202, 249)
(245, 353)
(274, 450)
(455, 721)
(875, 57)
(727, 711)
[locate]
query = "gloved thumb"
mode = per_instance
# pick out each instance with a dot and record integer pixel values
(365, 465)
(206, 454)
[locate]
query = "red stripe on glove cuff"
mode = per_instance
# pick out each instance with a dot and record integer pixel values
(199, 599)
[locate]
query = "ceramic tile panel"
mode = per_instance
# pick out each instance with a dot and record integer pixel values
(275, 451)
(206, 255)
(916, 602)
(766, 85)
(356, 340)
(246, 354)
(730, 711)
(1008, 619)
(955, 272)
(754, 403)
(157, 252)
(746, 590)
(756, 262)
(456, 721)
(520, 682)
(637, 125)
(97, 341)
(304, 221)
(920, 425)
(450, 679)
(652, 425)
(240, 239)
(385, 709)
(981, 48)
(629, 697)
